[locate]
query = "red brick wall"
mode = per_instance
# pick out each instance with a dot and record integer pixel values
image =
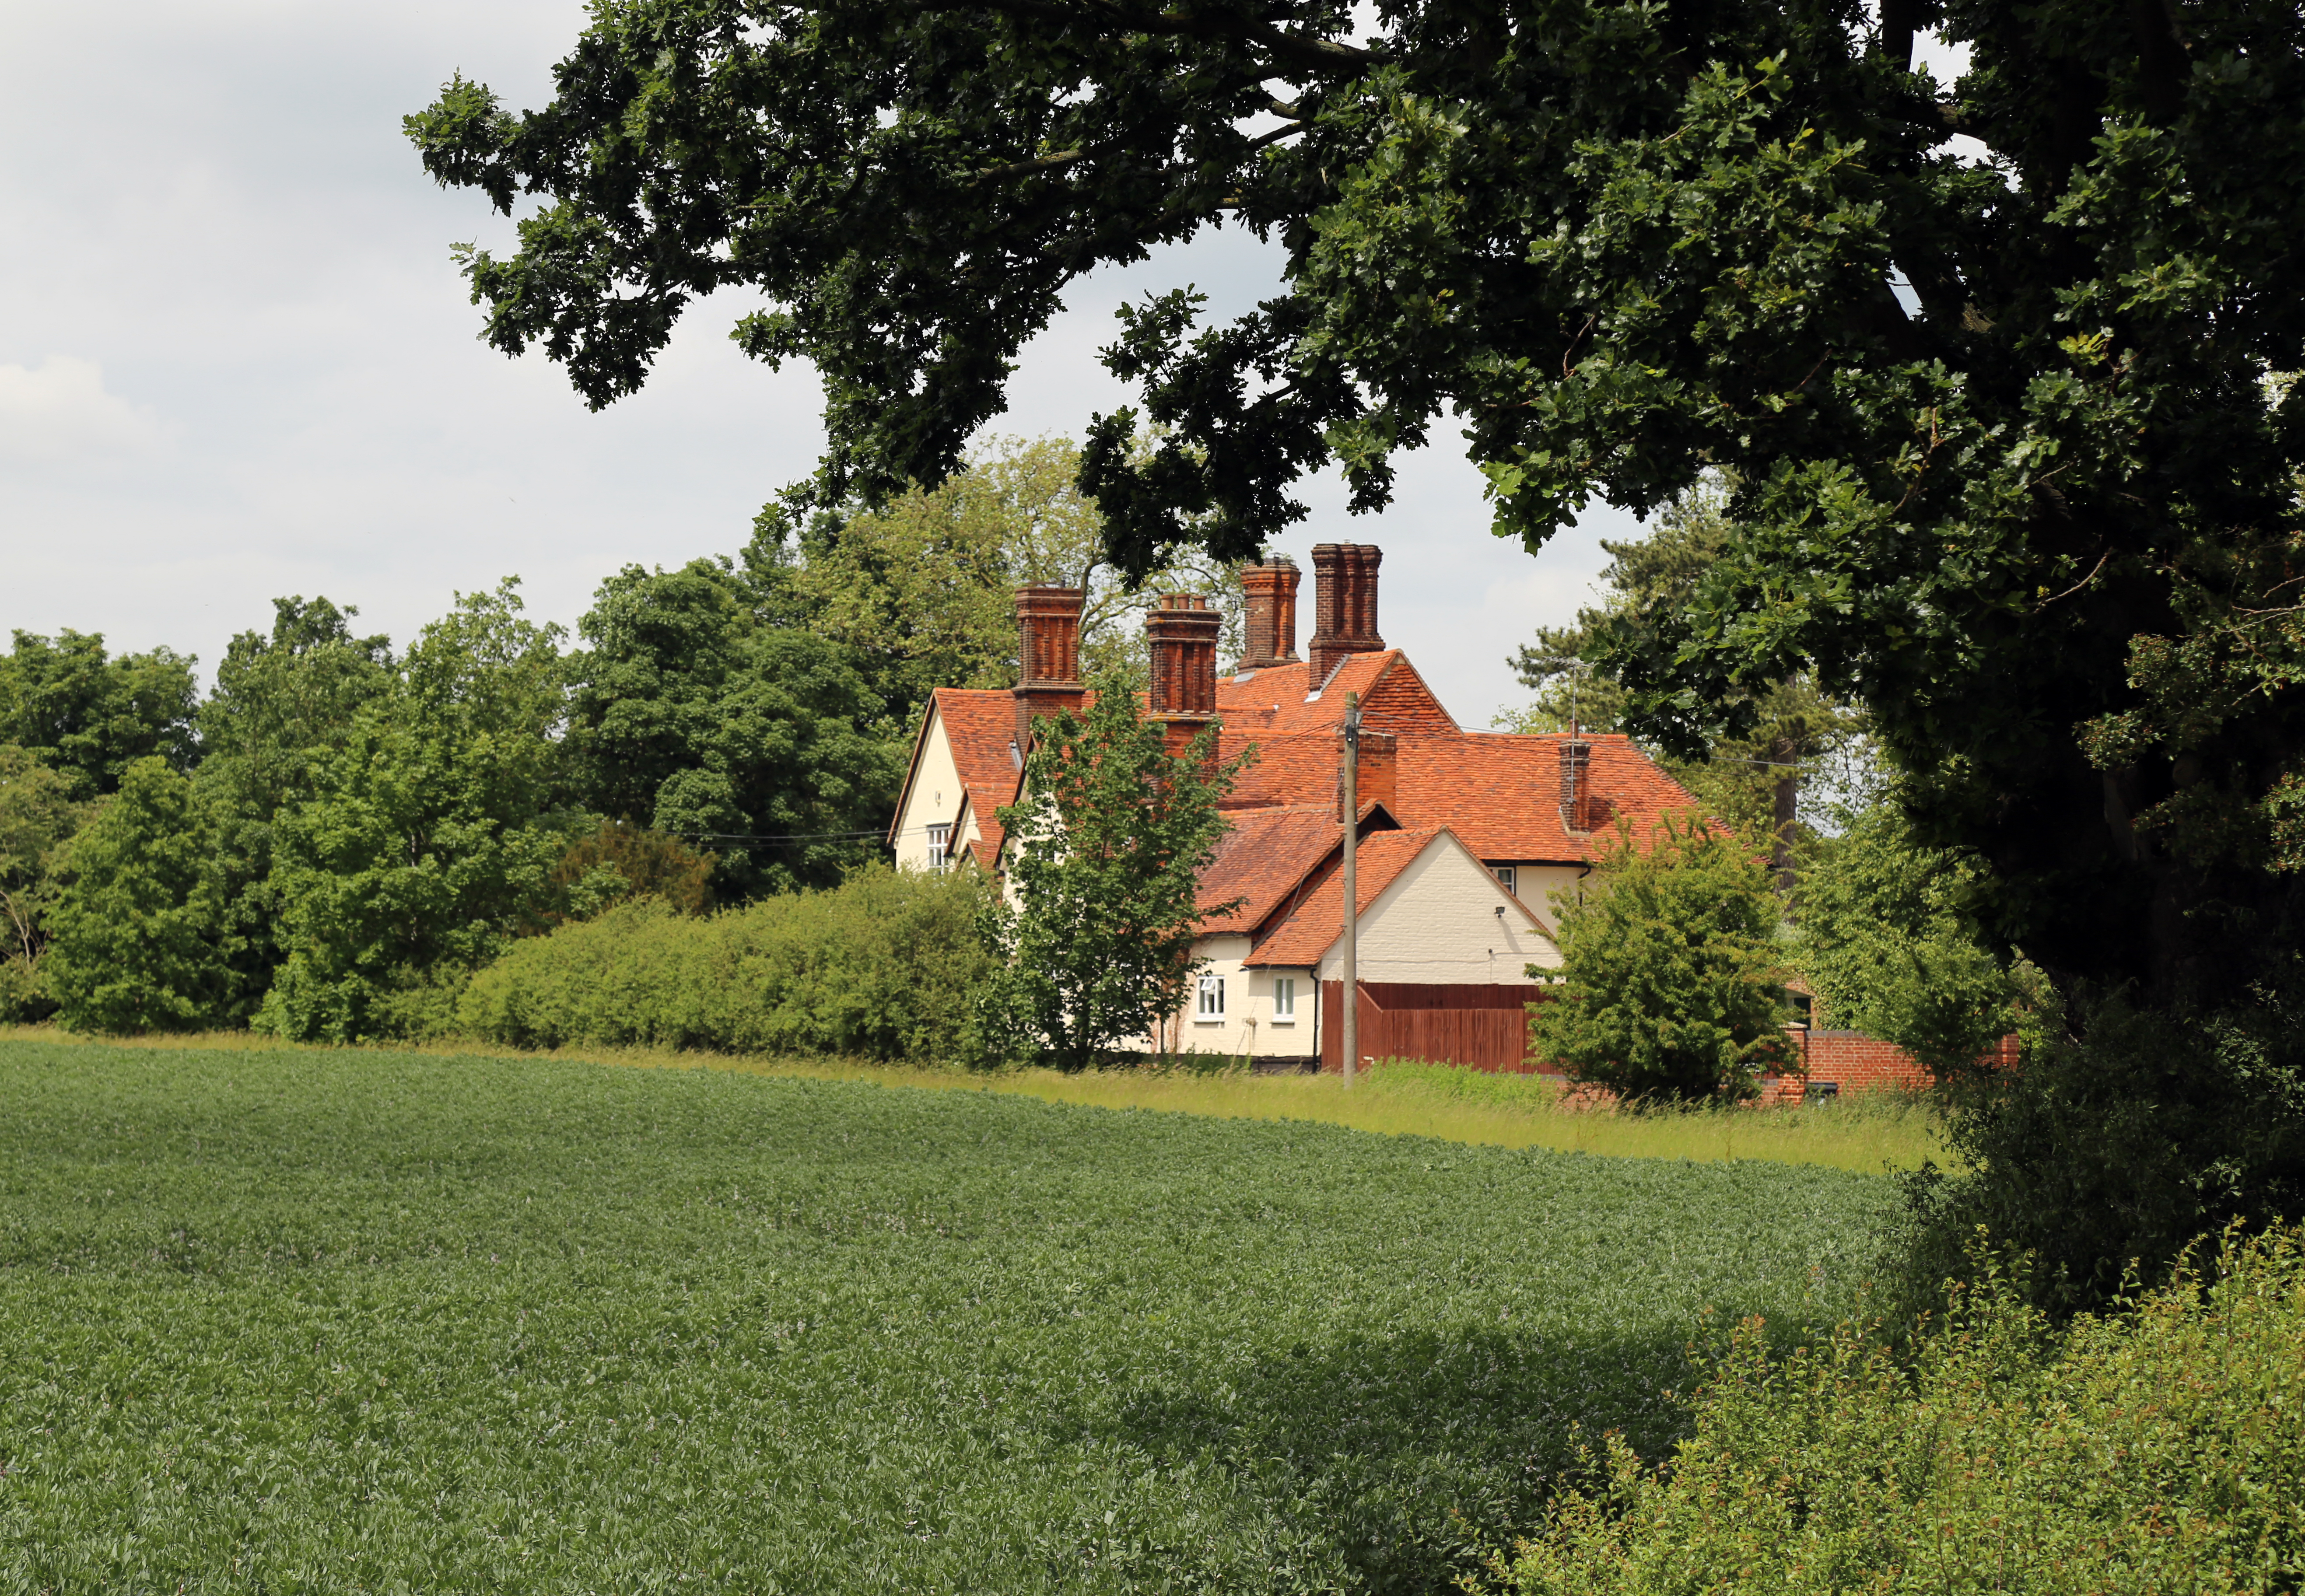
(1857, 1063)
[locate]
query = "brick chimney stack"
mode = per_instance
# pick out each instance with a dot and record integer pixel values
(1181, 634)
(1048, 656)
(1271, 620)
(1575, 782)
(1344, 605)
(1374, 770)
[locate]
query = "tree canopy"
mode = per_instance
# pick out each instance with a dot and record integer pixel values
(2016, 458)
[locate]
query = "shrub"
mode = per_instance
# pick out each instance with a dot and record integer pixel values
(884, 965)
(2158, 1449)
(1669, 971)
(2110, 1150)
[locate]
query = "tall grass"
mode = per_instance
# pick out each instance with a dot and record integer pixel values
(1868, 1135)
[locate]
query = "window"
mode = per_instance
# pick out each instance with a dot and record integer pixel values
(1212, 1003)
(1284, 1000)
(1505, 875)
(939, 843)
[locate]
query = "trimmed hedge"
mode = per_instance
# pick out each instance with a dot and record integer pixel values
(884, 966)
(2158, 1448)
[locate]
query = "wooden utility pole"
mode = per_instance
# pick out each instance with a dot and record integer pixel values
(1349, 1033)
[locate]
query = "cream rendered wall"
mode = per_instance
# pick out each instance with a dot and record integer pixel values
(1437, 923)
(1534, 885)
(934, 798)
(1249, 1024)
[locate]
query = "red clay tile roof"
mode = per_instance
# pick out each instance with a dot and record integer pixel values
(1300, 940)
(1263, 858)
(1500, 794)
(1394, 697)
(981, 726)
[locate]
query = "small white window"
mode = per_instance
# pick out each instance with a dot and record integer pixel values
(940, 846)
(1212, 1004)
(1506, 874)
(1284, 1000)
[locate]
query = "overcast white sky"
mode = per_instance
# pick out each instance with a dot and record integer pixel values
(236, 361)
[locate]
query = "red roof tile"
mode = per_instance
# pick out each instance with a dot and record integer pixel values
(1318, 921)
(1263, 858)
(1300, 939)
(980, 723)
(1394, 697)
(1500, 794)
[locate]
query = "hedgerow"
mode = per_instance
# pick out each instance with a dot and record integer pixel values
(2157, 1449)
(884, 966)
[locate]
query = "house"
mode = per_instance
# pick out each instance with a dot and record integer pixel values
(1464, 836)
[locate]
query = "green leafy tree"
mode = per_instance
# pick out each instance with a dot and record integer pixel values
(430, 836)
(922, 590)
(82, 712)
(620, 862)
(1669, 975)
(1799, 736)
(2008, 461)
(694, 716)
(284, 705)
(37, 817)
(134, 934)
(1891, 942)
(1108, 842)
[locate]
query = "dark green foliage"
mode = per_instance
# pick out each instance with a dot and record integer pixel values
(361, 1322)
(884, 965)
(1104, 853)
(38, 818)
(621, 860)
(693, 717)
(79, 711)
(2105, 1155)
(1670, 971)
(282, 707)
(135, 935)
(1795, 734)
(2154, 1450)
(2015, 449)
(1890, 942)
(430, 837)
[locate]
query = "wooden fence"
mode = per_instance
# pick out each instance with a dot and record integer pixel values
(1485, 1027)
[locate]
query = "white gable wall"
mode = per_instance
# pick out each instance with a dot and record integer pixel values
(932, 799)
(1437, 924)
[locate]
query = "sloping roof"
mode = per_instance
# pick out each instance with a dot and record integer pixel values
(1284, 698)
(1306, 934)
(1500, 794)
(980, 725)
(1263, 858)
(1300, 940)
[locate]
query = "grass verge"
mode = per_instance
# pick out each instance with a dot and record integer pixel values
(1868, 1135)
(297, 1320)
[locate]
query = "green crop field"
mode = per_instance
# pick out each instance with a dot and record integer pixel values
(292, 1320)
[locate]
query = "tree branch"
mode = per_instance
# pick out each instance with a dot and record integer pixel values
(1017, 169)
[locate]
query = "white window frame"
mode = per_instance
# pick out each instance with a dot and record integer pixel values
(940, 846)
(1208, 1006)
(1284, 1000)
(1507, 877)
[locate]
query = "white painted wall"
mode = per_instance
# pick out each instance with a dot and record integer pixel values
(1251, 1024)
(1438, 923)
(1535, 884)
(932, 799)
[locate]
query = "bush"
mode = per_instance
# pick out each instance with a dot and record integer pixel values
(2155, 1450)
(884, 966)
(1670, 974)
(2106, 1154)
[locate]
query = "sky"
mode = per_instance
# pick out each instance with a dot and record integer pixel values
(237, 361)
